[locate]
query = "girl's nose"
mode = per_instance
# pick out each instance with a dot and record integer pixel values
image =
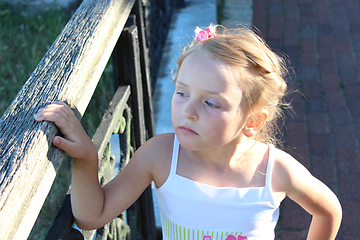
(190, 111)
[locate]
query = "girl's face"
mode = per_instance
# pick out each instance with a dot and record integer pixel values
(206, 105)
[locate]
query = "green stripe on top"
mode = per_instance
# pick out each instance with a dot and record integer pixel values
(176, 232)
(173, 231)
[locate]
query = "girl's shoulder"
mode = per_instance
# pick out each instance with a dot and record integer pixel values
(289, 175)
(160, 144)
(285, 166)
(158, 151)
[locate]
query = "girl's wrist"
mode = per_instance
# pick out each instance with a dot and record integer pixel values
(89, 158)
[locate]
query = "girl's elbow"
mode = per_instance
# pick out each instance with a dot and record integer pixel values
(334, 214)
(330, 212)
(338, 211)
(86, 225)
(334, 208)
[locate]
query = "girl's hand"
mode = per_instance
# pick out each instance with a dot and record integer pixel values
(75, 142)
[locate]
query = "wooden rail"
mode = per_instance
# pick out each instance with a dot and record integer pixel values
(70, 72)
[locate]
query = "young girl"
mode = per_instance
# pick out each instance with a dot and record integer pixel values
(218, 176)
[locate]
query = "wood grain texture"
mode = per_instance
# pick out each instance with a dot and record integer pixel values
(69, 71)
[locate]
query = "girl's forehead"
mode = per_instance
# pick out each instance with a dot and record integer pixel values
(200, 64)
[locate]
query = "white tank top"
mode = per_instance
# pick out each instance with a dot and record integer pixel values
(190, 210)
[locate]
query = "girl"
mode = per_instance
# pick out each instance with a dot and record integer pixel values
(218, 176)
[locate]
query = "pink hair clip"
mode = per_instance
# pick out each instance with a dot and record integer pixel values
(201, 34)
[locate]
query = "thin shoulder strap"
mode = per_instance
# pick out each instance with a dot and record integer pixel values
(175, 155)
(270, 165)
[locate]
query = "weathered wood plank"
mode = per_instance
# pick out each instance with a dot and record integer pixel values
(69, 71)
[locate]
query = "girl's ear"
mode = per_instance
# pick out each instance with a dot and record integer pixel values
(255, 124)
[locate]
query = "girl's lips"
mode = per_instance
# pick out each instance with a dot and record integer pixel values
(188, 130)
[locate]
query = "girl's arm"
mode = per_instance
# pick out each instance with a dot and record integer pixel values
(311, 194)
(92, 205)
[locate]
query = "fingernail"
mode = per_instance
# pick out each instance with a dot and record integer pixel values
(37, 117)
(57, 141)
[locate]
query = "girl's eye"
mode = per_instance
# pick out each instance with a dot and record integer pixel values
(182, 94)
(211, 104)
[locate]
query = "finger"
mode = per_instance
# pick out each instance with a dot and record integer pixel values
(51, 115)
(66, 106)
(74, 149)
(61, 110)
(58, 110)
(60, 106)
(63, 144)
(61, 115)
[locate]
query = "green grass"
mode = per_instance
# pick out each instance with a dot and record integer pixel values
(24, 40)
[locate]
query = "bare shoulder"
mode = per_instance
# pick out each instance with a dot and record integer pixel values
(159, 146)
(285, 163)
(287, 171)
(158, 152)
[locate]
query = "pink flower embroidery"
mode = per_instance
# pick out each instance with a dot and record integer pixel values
(229, 237)
(232, 237)
(202, 34)
(207, 238)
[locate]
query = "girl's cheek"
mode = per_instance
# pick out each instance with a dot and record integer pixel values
(178, 99)
(175, 99)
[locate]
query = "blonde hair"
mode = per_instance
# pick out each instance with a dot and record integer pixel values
(261, 72)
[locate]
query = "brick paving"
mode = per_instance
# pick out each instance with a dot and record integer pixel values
(322, 40)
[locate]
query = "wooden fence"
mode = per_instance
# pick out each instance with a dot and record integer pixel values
(70, 72)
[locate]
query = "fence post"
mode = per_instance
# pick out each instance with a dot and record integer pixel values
(145, 65)
(127, 70)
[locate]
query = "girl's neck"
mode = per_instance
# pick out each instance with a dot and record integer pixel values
(221, 157)
(241, 165)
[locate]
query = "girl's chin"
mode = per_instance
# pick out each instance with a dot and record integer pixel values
(190, 142)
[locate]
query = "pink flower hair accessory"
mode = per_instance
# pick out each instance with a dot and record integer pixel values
(201, 34)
